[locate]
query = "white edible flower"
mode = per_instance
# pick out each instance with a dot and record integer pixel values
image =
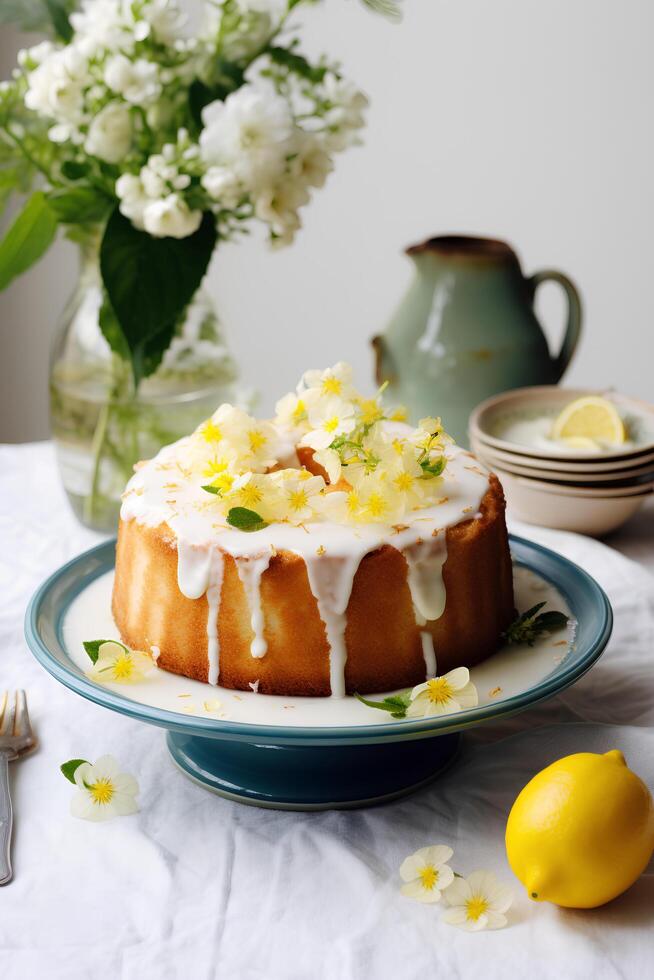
(118, 664)
(291, 411)
(104, 791)
(170, 217)
(299, 490)
(426, 873)
(248, 133)
(137, 81)
(328, 417)
(260, 493)
(477, 902)
(379, 501)
(330, 462)
(110, 133)
(336, 380)
(444, 695)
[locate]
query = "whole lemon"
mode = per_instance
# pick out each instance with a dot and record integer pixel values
(581, 831)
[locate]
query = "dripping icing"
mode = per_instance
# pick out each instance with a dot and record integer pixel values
(250, 571)
(214, 590)
(428, 653)
(331, 579)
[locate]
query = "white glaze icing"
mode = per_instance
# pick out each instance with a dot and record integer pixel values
(250, 570)
(428, 653)
(214, 590)
(425, 560)
(331, 552)
(331, 579)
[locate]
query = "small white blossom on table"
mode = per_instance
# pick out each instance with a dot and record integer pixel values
(477, 902)
(426, 873)
(103, 790)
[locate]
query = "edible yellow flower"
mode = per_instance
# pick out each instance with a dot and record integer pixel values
(426, 873)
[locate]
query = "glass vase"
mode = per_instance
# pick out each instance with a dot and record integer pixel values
(101, 425)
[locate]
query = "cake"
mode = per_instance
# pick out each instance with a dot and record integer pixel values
(333, 550)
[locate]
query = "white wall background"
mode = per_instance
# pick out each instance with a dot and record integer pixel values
(520, 119)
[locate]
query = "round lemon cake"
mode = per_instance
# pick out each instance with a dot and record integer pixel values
(332, 551)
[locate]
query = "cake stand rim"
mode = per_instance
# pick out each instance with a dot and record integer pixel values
(75, 575)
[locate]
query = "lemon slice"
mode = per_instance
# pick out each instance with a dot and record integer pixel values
(591, 418)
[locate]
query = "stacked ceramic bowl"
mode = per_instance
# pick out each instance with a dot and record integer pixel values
(574, 484)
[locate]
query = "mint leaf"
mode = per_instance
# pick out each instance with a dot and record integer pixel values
(27, 239)
(150, 282)
(69, 768)
(245, 519)
(527, 627)
(80, 205)
(211, 489)
(395, 703)
(92, 647)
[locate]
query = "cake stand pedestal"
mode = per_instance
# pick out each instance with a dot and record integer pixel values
(312, 776)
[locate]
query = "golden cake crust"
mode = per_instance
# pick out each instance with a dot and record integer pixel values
(384, 647)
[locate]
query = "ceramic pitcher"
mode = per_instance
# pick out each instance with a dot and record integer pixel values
(466, 330)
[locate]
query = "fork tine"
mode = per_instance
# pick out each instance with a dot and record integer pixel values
(23, 726)
(7, 726)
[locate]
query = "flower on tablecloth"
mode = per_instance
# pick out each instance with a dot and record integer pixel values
(444, 695)
(477, 902)
(113, 661)
(103, 790)
(426, 873)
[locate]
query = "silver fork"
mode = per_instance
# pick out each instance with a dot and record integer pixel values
(16, 738)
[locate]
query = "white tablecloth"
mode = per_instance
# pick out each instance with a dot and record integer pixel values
(196, 887)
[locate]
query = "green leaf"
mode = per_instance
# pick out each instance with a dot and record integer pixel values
(150, 281)
(245, 519)
(80, 205)
(92, 647)
(395, 703)
(527, 627)
(58, 11)
(433, 469)
(551, 621)
(70, 768)
(216, 490)
(75, 169)
(111, 329)
(387, 8)
(298, 64)
(27, 239)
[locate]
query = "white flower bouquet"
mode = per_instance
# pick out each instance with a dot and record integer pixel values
(164, 143)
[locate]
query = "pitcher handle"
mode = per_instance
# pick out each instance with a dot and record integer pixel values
(573, 326)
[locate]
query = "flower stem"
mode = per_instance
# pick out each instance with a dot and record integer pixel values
(97, 447)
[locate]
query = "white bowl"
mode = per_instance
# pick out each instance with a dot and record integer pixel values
(586, 512)
(634, 476)
(611, 467)
(549, 400)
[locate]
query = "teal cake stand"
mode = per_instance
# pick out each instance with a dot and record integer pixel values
(318, 767)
